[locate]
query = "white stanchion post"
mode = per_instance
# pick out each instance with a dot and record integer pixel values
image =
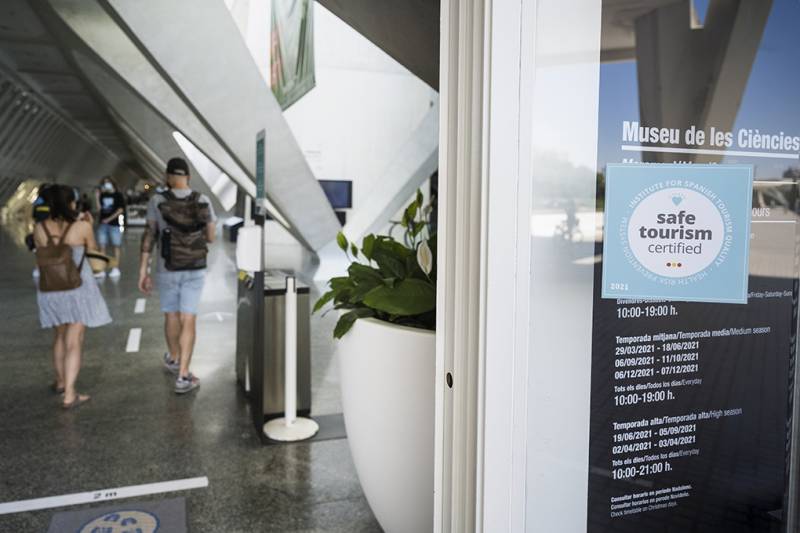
(290, 427)
(290, 362)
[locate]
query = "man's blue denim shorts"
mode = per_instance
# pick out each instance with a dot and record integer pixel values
(180, 290)
(107, 233)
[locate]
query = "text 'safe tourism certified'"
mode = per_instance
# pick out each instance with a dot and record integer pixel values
(678, 232)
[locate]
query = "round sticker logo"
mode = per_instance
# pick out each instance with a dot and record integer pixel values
(128, 521)
(677, 232)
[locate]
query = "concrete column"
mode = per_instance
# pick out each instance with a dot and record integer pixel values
(407, 30)
(697, 77)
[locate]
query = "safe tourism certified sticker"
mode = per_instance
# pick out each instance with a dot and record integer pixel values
(677, 232)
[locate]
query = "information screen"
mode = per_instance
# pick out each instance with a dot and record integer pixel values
(691, 401)
(339, 193)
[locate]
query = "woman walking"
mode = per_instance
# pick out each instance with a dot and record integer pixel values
(68, 297)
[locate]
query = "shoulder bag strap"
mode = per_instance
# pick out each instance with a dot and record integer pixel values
(64, 235)
(47, 232)
(66, 230)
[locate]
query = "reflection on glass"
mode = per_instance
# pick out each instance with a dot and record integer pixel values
(564, 227)
(709, 82)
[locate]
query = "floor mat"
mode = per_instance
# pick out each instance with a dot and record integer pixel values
(161, 516)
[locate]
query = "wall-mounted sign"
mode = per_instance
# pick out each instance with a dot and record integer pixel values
(292, 50)
(677, 232)
(260, 166)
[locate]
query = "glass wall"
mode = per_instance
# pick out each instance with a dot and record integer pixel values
(654, 402)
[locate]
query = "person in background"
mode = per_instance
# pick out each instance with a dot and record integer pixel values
(111, 205)
(68, 312)
(40, 211)
(182, 222)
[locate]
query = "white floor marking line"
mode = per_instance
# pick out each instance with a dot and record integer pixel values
(139, 308)
(103, 495)
(134, 338)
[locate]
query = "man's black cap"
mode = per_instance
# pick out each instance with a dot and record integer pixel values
(178, 167)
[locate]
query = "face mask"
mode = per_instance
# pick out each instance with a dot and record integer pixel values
(108, 187)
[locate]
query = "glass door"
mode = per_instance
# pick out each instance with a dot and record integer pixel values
(664, 266)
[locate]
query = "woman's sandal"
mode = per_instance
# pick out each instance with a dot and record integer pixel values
(79, 400)
(56, 389)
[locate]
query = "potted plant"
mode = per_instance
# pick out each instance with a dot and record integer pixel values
(387, 353)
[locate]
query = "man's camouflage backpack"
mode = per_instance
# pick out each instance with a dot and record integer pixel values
(183, 241)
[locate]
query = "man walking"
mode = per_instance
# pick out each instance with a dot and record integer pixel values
(182, 222)
(111, 204)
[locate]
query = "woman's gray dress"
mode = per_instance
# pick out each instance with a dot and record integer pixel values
(84, 305)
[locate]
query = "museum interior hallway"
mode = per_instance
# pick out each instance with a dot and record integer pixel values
(135, 430)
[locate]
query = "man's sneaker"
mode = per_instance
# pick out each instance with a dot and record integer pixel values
(186, 384)
(115, 273)
(100, 275)
(169, 364)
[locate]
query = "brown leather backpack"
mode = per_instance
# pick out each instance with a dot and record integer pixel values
(57, 269)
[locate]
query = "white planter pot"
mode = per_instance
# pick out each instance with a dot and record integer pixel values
(387, 377)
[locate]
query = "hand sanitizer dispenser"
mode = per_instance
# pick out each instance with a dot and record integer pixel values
(249, 246)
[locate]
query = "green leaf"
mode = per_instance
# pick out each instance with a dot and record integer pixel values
(340, 283)
(354, 249)
(341, 287)
(409, 297)
(324, 299)
(391, 257)
(390, 246)
(419, 198)
(365, 278)
(341, 240)
(410, 213)
(347, 320)
(344, 295)
(414, 270)
(362, 289)
(390, 265)
(361, 273)
(368, 245)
